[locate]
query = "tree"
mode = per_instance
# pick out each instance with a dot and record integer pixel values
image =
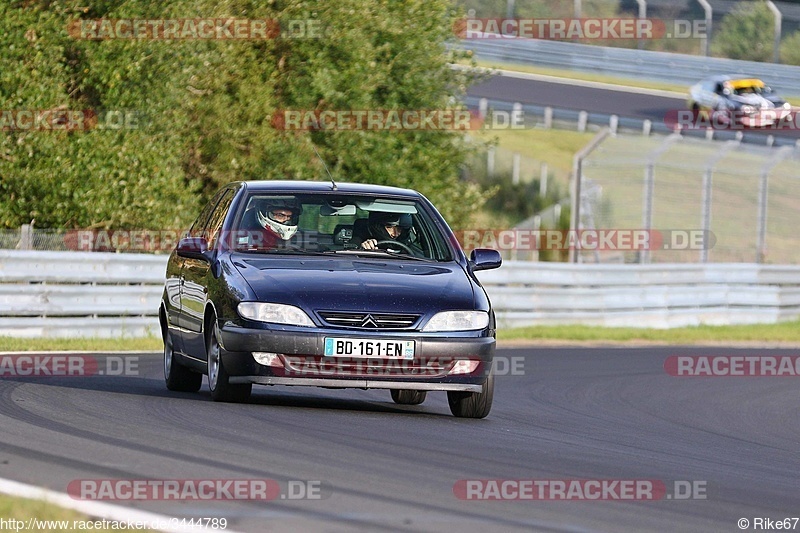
(746, 32)
(203, 109)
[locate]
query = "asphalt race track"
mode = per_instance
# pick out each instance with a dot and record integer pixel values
(593, 100)
(566, 414)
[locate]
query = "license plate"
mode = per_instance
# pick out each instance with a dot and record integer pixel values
(381, 349)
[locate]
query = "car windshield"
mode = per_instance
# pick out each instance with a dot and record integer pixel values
(313, 224)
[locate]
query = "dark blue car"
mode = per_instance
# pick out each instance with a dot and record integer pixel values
(328, 285)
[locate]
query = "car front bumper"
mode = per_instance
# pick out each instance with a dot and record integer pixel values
(295, 356)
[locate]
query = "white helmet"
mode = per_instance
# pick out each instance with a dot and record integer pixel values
(285, 228)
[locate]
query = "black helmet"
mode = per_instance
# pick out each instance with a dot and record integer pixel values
(378, 220)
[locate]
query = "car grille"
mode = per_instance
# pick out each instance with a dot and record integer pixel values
(371, 321)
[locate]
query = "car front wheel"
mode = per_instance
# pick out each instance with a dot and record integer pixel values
(408, 397)
(472, 404)
(218, 380)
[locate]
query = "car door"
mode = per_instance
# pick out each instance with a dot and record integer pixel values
(195, 276)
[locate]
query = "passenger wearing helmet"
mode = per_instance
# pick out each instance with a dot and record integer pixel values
(386, 228)
(271, 224)
(280, 217)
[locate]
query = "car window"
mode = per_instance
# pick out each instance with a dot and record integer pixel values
(217, 218)
(201, 222)
(338, 223)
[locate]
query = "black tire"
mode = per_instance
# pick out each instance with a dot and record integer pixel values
(408, 397)
(176, 376)
(472, 404)
(218, 379)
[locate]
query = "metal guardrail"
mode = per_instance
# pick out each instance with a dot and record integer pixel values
(74, 294)
(79, 294)
(628, 63)
(660, 296)
(582, 120)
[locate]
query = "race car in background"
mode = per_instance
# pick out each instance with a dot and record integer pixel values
(747, 102)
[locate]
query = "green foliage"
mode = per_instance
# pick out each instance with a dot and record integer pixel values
(203, 109)
(747, 33)
(790, 49)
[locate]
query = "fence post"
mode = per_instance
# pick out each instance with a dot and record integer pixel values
(709, 12)
(583, 118)
(642, 16)
(510, 9)
(649, 184)
(25, 237)
(708, 190)
(548, 117)
(763, 198)
(483, 107)
(490, 161)
(776, 52)
(543, 180)
(577, 178)
(613, 124)
(515, 169)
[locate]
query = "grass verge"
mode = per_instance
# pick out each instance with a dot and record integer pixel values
(45, 516)
(145, 344)
(786, 332)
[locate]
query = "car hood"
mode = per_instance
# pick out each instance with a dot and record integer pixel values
(358, 285)
(754, 100)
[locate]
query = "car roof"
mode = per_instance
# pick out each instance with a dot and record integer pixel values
(327, 187)
(727, 77)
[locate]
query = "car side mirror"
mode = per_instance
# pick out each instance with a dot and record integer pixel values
(485, 259)
(193, 248)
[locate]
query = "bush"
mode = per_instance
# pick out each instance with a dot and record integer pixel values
(747, 33)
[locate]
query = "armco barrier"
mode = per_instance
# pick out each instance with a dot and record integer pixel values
(658, 296)
(75, 294)
(80, 294)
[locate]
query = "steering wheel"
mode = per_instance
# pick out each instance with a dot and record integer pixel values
(404, 246)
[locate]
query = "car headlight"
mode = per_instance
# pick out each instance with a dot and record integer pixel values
(787, 105)
(274, 313)
(748, 109)
(457, 321)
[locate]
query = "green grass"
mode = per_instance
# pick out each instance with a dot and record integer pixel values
(556, 148)
(24, 509)
(146, 344)
(766, 333)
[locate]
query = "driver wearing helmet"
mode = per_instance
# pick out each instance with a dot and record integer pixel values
(386, 228)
